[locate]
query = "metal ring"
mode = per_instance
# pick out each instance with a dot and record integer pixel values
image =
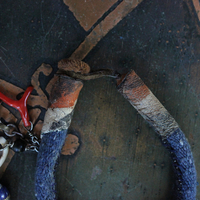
(30, 128)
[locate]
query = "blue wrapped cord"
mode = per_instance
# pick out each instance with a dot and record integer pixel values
(48, 154)
(183, 165)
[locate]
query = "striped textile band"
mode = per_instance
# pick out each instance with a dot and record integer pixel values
(143, 100)
(63, 99)
(57, 120)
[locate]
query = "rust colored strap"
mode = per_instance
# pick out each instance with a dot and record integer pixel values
(20, 105)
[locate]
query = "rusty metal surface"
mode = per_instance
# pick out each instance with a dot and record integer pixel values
(120, 156)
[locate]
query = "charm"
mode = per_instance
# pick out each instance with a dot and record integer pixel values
(19, 145)
(4, 194)
(4, 150)
(16, 140)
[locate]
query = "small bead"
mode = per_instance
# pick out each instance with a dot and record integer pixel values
(19, 146)
(4, 194)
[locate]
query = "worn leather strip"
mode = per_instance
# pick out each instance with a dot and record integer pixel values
(103, 28)
(92, 75)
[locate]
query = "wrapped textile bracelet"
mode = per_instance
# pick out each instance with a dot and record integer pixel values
(58, 118)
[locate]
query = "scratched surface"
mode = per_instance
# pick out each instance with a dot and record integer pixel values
(121, 157)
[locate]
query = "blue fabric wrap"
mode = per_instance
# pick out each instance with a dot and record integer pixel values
(183, 164)
(49, 151)
(176, 143)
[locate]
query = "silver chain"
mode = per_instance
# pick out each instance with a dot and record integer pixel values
(33, 144)
(10, 130)
(32, 140)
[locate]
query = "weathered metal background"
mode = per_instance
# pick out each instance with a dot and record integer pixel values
(121, 157)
